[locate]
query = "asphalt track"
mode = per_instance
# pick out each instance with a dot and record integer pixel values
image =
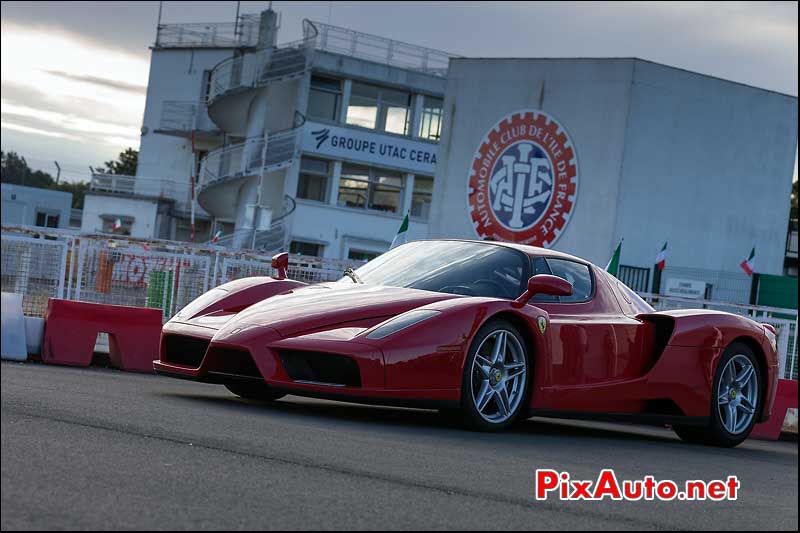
(102, 449)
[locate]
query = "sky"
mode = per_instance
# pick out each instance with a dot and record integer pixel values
(74, 74)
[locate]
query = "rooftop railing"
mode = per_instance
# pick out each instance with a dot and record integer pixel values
(209, 35)
(353, 43)
(173, 189)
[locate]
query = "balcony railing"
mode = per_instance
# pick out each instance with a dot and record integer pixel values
(263, 67)
(273, 240)
(209, 35)
(250, 157)
(352, 43)
(183, 116)
(177, 190)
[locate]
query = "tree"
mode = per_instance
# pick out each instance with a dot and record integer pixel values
(794, 199)
(124, 165)
(14, 169)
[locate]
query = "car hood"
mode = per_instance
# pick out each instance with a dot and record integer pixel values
(327, 304)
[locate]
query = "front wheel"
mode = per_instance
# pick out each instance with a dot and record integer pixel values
(254, 391)
(735, 400)
(494, 386)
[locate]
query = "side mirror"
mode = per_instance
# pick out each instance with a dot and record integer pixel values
(544, 284)
(280, 262)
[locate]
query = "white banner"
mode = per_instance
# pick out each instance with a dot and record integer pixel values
(372, 148)
(686, 288)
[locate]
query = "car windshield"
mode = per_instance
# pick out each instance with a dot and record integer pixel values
(457, 267)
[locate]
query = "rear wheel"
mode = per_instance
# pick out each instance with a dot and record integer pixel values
(735, 400)
(494, 387)
(254, 391)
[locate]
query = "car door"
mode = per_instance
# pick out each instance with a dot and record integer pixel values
(585, 349)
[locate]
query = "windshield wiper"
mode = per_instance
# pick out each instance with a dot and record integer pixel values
(350, 273)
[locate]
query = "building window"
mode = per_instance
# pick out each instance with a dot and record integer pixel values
(312, 184)
(206, 85)
(323, 98)
(430, 123)
(306, 248)
(421, 196)
(370, 188)
(361, 255)
(46, 220)
(379, 108)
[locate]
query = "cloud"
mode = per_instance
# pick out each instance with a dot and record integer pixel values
(68, 122)
(103, 82)
(36, 131)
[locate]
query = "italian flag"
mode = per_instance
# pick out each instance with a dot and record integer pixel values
(116, 225)
(216, 236)
(749, 264)
(661, 259)
(613, 264)
(402, 234)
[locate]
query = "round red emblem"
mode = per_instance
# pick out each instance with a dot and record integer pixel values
(524, 180)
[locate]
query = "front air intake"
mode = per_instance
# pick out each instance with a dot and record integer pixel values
(231, 362)
(184, 351)
(320, 368)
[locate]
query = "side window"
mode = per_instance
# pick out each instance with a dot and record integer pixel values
(577, 274)
(540, 266)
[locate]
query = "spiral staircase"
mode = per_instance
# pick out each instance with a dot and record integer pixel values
(237, 96)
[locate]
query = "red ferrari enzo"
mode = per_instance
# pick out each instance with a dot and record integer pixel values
(492, 331)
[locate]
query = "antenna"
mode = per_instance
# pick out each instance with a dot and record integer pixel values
(236, 20)
(158, 25)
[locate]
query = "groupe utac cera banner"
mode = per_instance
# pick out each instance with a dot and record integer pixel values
(370, 148)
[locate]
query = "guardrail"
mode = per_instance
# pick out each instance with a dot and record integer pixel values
(209, 35)
(183, 116)
(343, 41)
(265, 66)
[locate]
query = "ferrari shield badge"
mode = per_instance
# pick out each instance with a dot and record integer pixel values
(542, 324)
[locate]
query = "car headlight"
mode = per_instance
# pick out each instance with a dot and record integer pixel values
(399, 322)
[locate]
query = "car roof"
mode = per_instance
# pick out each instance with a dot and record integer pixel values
(529, 250)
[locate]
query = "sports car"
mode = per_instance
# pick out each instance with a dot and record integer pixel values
(490, 332)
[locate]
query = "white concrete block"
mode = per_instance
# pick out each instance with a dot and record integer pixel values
(34, 333)
(12, 328)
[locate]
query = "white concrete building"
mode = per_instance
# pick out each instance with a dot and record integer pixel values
(322, 144)
(33, 206)
(619, 149)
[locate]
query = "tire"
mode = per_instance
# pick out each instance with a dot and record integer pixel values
(254, 391)
(745, 395)
(505, 382)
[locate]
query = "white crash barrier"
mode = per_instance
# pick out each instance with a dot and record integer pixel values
(790, 422)
(12, 328)
(34, 333)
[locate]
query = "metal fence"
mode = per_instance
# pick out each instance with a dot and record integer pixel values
(35, 268)
(48, 263)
